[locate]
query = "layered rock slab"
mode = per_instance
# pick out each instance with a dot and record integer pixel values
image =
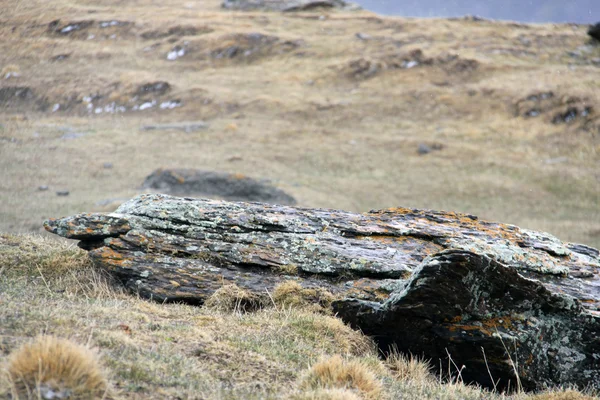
(495, 297)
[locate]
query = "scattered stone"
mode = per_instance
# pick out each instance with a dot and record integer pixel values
(169, 105)
(158, 88)
(43, 188)
(15, 95)
(364, 68)
(222, 185)
(62, 193)
(69, 28)
(175, 53)
(594, 31)
(107, 24)
(9, 75)
(571, 114)
(235, 47)
(424, 282)
(249, 46)
(568, 110)
(187, 127)
(474, 18)
(10, 71)
(423, 149)
(426, 149)
(89, 29)
(178, 31)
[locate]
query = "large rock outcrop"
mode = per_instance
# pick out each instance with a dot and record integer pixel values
(430, 283)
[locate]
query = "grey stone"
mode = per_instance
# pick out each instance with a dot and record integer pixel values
(221, 185)
(429, 283)
(423, 149)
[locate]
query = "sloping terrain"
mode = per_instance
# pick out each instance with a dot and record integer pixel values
(340, 109)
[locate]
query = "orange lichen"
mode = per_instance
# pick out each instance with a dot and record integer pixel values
(110, 256)
(529, 361)
(496, 322)
(395, 210)
(469, 328)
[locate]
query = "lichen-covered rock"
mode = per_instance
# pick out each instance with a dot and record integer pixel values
(427, 282)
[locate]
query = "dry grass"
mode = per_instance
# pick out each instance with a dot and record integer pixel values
(335, 372)
(157, 351)
(292, 294)
(233, 298)
(326, 394)
(327, 139)
(49, 366)
(45, 256)
(45, 260)
(408, 368)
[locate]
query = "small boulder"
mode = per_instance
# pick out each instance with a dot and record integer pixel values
(594, 31)
(222, 185)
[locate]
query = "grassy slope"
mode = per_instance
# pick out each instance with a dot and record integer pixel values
(299, 117)
(296, 118)
(160, 351)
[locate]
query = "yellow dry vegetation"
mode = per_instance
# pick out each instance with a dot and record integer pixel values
(144, 349)
(332, 117)
(291, 294)
(335, 372)
(49, 367)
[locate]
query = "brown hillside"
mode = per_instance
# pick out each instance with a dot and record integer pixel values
(331, 106)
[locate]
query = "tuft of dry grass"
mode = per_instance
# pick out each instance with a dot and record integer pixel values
(233, 298)
(336, 372)
(405, 368)
(292, 294)
(51, 367)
